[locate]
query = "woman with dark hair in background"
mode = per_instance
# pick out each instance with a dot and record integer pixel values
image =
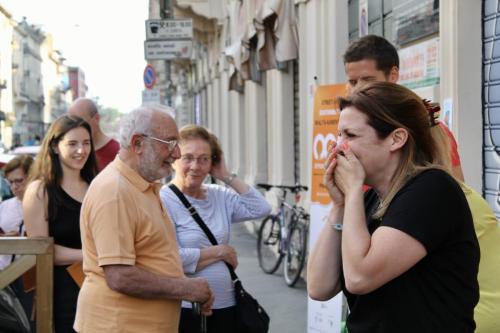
(405, 253)
(62, 172)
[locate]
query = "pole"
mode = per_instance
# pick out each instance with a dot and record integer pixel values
(166, 12)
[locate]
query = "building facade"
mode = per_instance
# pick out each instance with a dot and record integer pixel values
(34, 83)
(56, 90)
(257, 63)
(7, 116)
(27, 82)
(77, 82)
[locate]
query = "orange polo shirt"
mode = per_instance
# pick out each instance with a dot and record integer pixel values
(123, 222)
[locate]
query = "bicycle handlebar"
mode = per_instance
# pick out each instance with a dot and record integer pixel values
(295, 188)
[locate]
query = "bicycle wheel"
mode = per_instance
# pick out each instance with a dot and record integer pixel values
(296, 254)
(268, 245)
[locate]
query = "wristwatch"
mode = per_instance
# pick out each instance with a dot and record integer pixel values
(230, 179)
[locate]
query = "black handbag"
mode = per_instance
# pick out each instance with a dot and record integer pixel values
(251, 316)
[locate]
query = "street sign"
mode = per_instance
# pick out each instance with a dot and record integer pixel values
(168, 49)
(150, 96)
(149, 76)
(169, 29)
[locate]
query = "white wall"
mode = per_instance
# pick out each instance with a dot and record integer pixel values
(279, 86)
(461, 53)
(224, 112)
(323, 36)
(236, 133)
(256, 132)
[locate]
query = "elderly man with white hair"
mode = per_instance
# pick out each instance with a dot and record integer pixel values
(133, 273)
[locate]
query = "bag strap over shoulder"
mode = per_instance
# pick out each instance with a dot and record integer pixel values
(194, 214)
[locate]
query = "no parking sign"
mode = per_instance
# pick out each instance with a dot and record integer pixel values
(149, 76)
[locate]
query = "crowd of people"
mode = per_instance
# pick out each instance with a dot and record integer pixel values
(416, 252)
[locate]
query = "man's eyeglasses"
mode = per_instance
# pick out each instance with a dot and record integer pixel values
(203, 159)
(16, 181)
(171, 143)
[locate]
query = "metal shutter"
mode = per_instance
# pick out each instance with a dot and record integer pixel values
(296, 120)
(491, 100)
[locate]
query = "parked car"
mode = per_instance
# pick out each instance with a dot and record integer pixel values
(28, 150)
(5, 158)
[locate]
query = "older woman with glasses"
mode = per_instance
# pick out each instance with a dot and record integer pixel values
(11, 219)
(11, 210)
(218, 206)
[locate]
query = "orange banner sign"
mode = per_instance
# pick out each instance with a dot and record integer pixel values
(326, 118)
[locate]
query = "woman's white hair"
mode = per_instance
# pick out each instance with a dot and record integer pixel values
(139, 121)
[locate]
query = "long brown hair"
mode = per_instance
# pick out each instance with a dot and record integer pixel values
(389, 106)
(47, 167)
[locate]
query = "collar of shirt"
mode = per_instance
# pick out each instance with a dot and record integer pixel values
(134, 177)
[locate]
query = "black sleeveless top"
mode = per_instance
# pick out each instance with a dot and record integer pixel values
(64, 227)
(64, 221)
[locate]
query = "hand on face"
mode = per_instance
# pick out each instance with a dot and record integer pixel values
(329, 178)
(349, 173)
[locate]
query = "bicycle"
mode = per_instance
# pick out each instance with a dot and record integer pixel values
(284, 235)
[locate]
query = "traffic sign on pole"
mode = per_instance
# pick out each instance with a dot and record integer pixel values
(168, 49)
(151, 96)
(149, 77)
(169, 29)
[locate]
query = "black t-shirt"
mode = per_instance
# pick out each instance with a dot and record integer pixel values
(440, 292)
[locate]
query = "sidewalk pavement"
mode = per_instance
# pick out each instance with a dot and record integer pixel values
(286, 306)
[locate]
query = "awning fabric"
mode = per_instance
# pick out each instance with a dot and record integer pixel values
(273, 24)
(257, 33)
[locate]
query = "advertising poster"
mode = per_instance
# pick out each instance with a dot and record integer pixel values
(325, 121)
(419, 64)
(323, 317)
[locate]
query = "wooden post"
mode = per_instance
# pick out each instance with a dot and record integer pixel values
(43, 249)
(44, 296)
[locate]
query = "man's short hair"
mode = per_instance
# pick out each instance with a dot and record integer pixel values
(139, 121)
(376, 48)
